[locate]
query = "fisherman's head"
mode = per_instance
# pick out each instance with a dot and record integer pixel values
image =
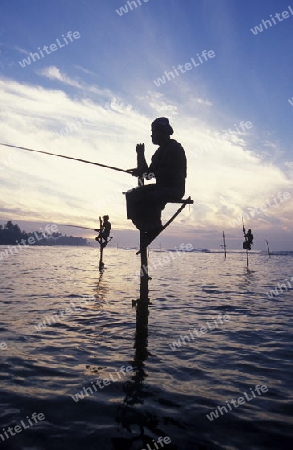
(105, 218)
(161, 131)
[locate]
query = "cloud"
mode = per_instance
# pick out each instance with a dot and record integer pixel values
(15, 47)
(201, 101)
(88, 72)
(226, 175)
(289, 164)
(53, 73)
(20, 50)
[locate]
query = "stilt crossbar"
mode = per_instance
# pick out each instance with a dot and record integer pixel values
(185, 202)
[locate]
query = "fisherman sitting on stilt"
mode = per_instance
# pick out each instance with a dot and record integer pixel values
(248, 239)
(104, 231)
(168, 166)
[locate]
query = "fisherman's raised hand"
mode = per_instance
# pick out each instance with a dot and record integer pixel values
(140, 149)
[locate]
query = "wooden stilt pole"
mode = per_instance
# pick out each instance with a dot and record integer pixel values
(101, 264)
(141, 342)
(224, 244)
(269, 253)
(144, 275)
(243, 228)
(144, 242)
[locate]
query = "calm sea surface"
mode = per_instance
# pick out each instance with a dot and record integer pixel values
(166, 392)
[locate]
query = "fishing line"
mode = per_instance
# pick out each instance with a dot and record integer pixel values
(68, 157)
(77, 226)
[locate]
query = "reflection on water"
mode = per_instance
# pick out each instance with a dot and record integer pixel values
(171, 390)
(130, 418)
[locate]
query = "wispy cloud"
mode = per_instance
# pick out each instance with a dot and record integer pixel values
(88, 72)
(201, 101)
(53, 73)
(21, 50)
(14, 47)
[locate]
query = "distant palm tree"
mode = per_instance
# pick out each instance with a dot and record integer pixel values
(8, 225)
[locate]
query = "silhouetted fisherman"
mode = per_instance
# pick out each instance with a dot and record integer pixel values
(248, 239)
(168, 166)
(104, 231)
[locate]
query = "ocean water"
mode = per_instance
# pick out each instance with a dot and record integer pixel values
(152, 388)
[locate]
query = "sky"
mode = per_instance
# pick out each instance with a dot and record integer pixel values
(85, 78)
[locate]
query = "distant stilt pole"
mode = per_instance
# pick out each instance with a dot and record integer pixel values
(224, 244)
(245, 237)
(101, 264)
(100, 240)
(269, 253)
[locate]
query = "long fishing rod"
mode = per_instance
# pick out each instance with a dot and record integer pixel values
(67, 157)
(77, 226)
(74, 159)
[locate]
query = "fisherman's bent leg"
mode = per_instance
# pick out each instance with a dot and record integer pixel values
(134, 197)
(144, 206)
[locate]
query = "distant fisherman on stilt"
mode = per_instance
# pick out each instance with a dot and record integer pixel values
(248, 239)
(104, 231)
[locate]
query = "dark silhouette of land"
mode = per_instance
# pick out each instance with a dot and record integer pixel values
(11, 234)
